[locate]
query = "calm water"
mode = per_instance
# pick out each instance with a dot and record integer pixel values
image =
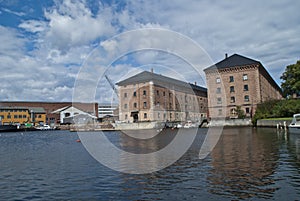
(247, 163)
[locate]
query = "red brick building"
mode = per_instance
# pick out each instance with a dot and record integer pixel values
(238, 81)
(152, 97)
(49, 107)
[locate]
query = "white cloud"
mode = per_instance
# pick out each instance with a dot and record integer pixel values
(72, 24)
(20, 14)
(33, 26)
(265, 31)
(253, 28)
(12, 44)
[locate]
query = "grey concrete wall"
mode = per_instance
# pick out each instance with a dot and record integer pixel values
(231, 122)
(272, 123)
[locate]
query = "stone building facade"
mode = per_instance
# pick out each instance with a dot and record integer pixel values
(151, 97)
(238, 83)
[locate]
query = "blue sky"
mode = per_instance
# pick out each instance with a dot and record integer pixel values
(45, 43)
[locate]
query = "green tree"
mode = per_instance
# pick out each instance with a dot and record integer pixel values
(240, 112)
(291, 80)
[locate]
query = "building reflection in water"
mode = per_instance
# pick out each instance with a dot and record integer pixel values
(155, 153)
(243, 163)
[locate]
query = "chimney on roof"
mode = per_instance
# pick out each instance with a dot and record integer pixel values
(226, 55)
(195, 83)
(152, 70)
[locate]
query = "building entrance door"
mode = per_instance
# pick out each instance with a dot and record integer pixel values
(135, 118)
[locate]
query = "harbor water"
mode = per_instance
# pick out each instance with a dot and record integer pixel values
(246, 164)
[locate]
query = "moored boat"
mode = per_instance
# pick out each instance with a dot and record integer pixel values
(8, 128)
(294, 127)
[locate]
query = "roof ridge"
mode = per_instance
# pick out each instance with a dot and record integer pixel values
(146, 76)
(232, 61)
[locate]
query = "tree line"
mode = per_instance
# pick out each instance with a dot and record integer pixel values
(291, 92)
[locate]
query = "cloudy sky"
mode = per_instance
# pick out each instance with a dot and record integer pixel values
(48, 45)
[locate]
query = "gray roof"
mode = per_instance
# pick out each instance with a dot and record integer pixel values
(237, 60)
(233, 61)
(37, 109)
(33, 109)
(146, 76)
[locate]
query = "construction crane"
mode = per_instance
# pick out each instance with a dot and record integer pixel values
(112, 85)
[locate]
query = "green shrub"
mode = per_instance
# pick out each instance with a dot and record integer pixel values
(276, 109)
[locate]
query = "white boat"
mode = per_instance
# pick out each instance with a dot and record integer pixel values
(294, 127)
(43, 127)
(189, 124)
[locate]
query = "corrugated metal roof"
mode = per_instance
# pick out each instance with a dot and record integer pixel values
(37, 109)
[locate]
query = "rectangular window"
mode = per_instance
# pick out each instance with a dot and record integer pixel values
(8, 116)
(157, 93)
(20, 116)
(219, 100)
(247, 110)
(134, 93)
(232, 99)
(246, 98)
(135, 105)
(245, 77)
(218, 90)
(24, 116)
(220, 112)
(15, 116)
(145, 115)
(145, 104)
(125, 106)
(158, 115)
(231, 79)
(144, 93)
(231, 89)
(218, 80)
(126, 116)
(125, 95)
(246, 87)
(164, 93)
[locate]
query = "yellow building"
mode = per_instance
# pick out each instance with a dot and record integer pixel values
(22, 115)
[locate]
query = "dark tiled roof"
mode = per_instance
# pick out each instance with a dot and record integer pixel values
(237, 60)
(146, 76)
(233, 61)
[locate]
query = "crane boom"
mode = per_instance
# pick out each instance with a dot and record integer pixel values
(112, 85)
